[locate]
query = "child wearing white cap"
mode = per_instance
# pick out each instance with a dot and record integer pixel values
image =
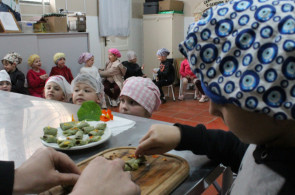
(85, 87)
(243, 52)
(139, 97)
(133, 69)
(5, 83)
(57, 88)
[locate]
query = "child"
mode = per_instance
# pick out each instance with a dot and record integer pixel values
(60, 68)
(139, 97)
(57, 88)
(36, 77)
(247, 71)
(88, 59)
(10, 61)
(189, 76)
(113, 73)
(165, 74)
(5, 83)
(133, 69)
(85, 88)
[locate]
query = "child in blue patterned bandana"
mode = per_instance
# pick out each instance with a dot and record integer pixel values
(243, 52)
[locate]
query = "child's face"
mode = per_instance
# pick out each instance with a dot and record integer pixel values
(9, 67)
(83, 92)
(61, 62)
(5, 86)
(129, 106)
(53, 91)
(133, 60)
(112, 57)
(162, 58)
(90, 62)
(251, 127)
(36, 64)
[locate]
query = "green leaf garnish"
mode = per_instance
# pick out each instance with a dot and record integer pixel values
(89, 111)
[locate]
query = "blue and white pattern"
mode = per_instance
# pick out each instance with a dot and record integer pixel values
(244, 53)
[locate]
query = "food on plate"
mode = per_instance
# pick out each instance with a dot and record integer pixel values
(73, 134)
(50, 131)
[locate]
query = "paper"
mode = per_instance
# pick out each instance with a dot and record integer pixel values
(119, 125)
(8, 21)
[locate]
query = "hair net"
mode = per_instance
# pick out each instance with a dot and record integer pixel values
(116, 52)
(131, 55)
(13, 57)
(84, 57)
(32, 58)
(89, 80)
(243, 52)
(4, 76)
(163, 52)
(143, 91)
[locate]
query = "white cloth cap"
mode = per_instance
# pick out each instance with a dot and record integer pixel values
(131, 55)
(4, 76)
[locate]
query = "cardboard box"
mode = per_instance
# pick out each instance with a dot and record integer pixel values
(57, 24)
(168, 5)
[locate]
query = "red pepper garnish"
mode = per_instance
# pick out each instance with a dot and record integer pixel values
(155, 156)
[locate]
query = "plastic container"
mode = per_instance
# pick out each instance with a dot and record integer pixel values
(27, 26)
(151, 8)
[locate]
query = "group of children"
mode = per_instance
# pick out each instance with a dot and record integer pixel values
(87, 85)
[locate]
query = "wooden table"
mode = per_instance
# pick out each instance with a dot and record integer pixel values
(23, 117)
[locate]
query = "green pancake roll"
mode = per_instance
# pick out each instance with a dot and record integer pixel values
(71, 131)
(68, 143)
(101, 126)
(79, 135)
(49, 138)
(93, 139)
(96, 132)
(81, 142)
(86, 130)
(82, 124)
(134, 163)
(67, 125)
(50, 131)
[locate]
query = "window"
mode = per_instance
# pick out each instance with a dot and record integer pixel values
(34, 1)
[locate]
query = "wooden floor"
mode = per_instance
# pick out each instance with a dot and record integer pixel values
(189, 112)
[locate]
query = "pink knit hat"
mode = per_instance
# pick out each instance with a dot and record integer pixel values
(143, 91)
(115, 52)
(84, 57)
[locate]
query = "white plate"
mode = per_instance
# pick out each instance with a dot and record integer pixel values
(107, 134)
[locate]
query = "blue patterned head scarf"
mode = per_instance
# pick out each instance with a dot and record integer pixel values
(244, 53)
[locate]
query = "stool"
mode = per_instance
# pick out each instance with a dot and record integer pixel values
(170, 87)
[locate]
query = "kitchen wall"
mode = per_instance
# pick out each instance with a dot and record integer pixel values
(97, 43)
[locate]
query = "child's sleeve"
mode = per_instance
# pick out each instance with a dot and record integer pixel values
(70, 75)
(181, 70)
(33, 81)
(221, 146)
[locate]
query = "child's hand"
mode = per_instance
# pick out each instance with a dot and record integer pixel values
(158, 140)
(187, 76)
(44, 76)
(142, 67)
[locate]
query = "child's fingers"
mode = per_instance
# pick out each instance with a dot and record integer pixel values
(145, 137)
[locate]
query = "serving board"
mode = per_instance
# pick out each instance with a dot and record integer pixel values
(159, 175)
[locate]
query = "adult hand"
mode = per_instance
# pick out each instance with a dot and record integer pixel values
(158, 140)
(103, 176)
(46, 168)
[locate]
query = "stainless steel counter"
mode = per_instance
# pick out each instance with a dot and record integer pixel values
(23, 118)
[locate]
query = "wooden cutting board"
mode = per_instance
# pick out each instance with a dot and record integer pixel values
(159, 175)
